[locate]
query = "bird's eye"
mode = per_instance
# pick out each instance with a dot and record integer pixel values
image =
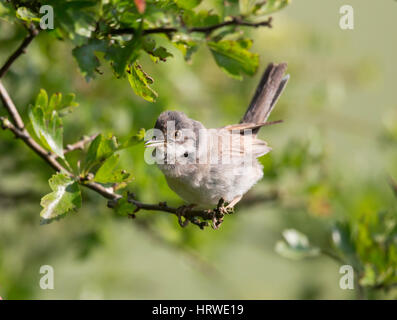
(185, 154)
(177, 133)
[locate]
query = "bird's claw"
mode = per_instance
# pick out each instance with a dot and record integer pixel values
(181, 212)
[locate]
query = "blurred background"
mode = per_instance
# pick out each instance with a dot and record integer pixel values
(330, 161)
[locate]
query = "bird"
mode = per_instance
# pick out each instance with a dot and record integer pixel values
(204, 165)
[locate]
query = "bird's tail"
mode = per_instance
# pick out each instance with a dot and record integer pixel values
(266, 95)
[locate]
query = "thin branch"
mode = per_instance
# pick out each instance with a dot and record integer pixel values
(236, 21)
(11, 109)
(25, 136)
(79, 145)
(33, 32)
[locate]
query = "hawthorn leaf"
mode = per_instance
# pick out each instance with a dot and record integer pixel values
(48, 128)
(123, 207)
(66, 196)
(55, 101)
(121, 56)
(108, 173)
(42, 100)
(86, 57)
(234, 58)
(25, 14)
(99, 150)
(271, 6)
(139, 81)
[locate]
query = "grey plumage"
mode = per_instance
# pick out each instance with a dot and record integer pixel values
(204, 183)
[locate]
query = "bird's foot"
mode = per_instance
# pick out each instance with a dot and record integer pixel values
(181, 212)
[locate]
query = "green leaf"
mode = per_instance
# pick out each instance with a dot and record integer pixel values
(187, 48)
(99, 150)
(42, 100)
(139, 81)
(86, 57)
(160, 54)
(26, 14)
(67, 105)
(133, 140)
(123, 207)
(108, 173)
(369, 277)
(48, 128)
(66, 196)
(234, 58)
(295, 246)
(203, 18)
(55, 101)
(342, 239)
(7, 12)
(271, 6)
(121, 56)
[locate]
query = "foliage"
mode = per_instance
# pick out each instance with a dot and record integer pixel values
(347, 222)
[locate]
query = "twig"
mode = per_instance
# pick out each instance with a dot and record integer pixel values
(79, 145)
(25, 136)
(33, 32)
(236, 21)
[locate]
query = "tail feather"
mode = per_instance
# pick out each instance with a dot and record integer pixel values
(267, 94)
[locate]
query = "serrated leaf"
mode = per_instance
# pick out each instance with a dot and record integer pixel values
(48, 128)
(234, 58)
(86, 58)
(55, 101)
(42, 100)
(67, 105)
(139, 81)
(123, 207)
(100, 149)
(295, 246)
(121, 56)
(66, 196)
(108, 173)
(26, 14)
(187, 48)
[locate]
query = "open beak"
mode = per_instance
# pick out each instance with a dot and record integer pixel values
(154, 143)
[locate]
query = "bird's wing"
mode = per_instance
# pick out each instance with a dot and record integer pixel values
(237, 146)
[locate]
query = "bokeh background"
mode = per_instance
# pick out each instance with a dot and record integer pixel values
(331, 158)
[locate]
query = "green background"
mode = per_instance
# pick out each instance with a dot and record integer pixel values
(330, 159)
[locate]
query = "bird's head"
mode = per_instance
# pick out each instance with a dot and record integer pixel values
(175, 137)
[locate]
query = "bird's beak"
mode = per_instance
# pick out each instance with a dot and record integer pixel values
(154, 143)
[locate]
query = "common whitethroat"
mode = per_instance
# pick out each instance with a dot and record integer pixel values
(204, 165)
